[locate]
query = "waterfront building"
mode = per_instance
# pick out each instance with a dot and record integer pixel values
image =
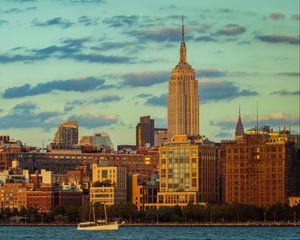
(142, 193)
(160, 136)
(13, 195)
(260, 168)
(109, 185)
(294, 201)
(69, 198)
(67, 134)
(188, 170)
(43, 198)
(145, 132)
(183, 97)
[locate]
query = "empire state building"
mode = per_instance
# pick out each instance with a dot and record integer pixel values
(183, 97)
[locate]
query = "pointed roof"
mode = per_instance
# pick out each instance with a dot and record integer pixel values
(183, 57)
(239, 130)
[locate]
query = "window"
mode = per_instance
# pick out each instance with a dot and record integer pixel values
(104, 174)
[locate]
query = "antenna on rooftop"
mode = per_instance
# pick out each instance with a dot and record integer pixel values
(257, 118)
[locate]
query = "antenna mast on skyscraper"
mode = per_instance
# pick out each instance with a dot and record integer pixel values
(257, 118)
(182, 30)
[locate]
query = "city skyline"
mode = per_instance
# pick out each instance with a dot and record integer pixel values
(96, 61)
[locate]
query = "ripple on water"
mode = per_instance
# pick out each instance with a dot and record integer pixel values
(153, 233)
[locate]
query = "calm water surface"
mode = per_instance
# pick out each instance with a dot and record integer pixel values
(149, 233)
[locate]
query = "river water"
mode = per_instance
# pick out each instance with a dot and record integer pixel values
(149, 233)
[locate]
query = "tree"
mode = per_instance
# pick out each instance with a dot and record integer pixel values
(151, 215)
(15, 212)
(23, 212)
(72, 212)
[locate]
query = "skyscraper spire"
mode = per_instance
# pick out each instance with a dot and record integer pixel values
(239, 130)
(182, 30)
(183, 96)
(256, 118)
(182, 58)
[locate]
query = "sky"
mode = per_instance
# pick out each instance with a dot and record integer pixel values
(105, 63)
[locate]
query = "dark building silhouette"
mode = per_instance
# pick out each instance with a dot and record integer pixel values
(239, 130)
(145, 132)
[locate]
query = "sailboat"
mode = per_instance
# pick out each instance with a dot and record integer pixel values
(98, 225)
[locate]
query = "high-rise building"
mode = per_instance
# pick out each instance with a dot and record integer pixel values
(67, 134)
(239, 130)
(260, 168)
(188, 170)
(183, 97)
(145, 132)
(100, 139)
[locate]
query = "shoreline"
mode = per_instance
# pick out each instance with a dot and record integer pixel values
(246, 224)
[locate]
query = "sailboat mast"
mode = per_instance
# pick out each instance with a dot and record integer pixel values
(89, 217)
(105, 213)
(94, 217)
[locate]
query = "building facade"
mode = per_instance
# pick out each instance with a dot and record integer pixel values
(142, 193)
(67, 134)
(183, 97)
(160, 136)
(144, 163)
(188, 172)
(109, 185)
(13, 195)
(101, 140)
(259, 168)
(145, 132)
(42, 198)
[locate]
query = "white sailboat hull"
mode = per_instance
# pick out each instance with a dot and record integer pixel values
(99, 227)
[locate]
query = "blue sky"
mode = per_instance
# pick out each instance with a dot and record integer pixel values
(105, 63)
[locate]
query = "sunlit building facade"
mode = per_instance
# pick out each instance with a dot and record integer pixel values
(109, 185)
(13, 195)
(145, 132)
(142, 193)
(67, 134)
(160, 136)
(183, 97)
(260, 168)
(101, 140)
(188, 172)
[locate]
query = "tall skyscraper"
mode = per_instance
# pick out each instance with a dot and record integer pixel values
(239, 130)
(67, 134)
(145, 132)
(183, 97)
